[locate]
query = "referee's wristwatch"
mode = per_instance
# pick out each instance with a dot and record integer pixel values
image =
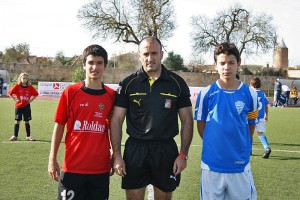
(183, 156)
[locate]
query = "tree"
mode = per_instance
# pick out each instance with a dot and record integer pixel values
(128, 20)
(174, 62)
(17, 53)
(126, 61)
(251, 33)
(78, 74)
(61, 58)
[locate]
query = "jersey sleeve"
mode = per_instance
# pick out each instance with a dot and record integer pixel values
(185, 96)
(121, 99)
(33, 91)
(112, 95)
(61, 115)
(266, 101)
(201, 110)
(14, 90)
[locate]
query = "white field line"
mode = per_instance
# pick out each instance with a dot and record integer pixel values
(25, 142)
(278, 150)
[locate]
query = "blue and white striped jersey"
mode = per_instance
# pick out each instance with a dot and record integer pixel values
(262, 102)
(226, 138)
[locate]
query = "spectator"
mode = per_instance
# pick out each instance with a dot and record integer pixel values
(286, 93)
(294, 95)
(277, 92)
(1, 84)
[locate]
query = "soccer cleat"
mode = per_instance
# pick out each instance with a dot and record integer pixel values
(13, 138)
(30, 138)
(267, 153)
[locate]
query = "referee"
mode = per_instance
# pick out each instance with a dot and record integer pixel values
(151, 100)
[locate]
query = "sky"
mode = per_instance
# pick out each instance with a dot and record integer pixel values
(49, 26)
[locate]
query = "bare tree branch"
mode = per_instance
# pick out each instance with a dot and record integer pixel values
(252, 33)
(128, 20)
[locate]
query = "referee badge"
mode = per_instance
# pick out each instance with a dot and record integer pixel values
(168, 103)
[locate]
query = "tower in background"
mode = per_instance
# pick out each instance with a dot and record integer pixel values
(281, 56)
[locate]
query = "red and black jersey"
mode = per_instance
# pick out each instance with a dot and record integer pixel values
(85, 112)
(23, 93)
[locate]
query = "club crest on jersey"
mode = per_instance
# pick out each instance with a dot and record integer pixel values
(101, 106)
(239, 106)
(168, 103)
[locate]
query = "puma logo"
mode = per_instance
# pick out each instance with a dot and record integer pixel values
(173, 177)
(137, 101)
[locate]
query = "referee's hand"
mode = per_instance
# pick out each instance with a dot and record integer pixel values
(179, 165)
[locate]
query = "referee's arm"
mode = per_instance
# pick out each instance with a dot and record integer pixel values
(186, 132)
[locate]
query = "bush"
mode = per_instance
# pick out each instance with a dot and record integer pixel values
(78, 74)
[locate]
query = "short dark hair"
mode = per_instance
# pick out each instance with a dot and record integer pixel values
(152, 38)
(95, 50)
(255, 82)
(228, 49)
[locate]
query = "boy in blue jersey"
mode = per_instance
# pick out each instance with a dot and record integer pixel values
(262, 115)
(226, 114)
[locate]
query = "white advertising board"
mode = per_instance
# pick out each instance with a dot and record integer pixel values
(193, 90)
(56, 88)
(52, 88)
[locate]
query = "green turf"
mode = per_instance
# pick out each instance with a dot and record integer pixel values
(23, 167)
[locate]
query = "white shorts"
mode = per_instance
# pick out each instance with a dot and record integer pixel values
(233, 186)
(261, 126)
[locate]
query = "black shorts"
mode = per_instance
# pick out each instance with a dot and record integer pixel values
(150, 162)
(83, 186)
(24, 112)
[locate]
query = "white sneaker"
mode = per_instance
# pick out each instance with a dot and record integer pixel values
(13, 138)
(30, 138)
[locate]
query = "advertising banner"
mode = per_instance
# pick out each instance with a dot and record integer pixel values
(52, 88)
(55, 89)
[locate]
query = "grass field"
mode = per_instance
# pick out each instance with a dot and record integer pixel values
(23, 164)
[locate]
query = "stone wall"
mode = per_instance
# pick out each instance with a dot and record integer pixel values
(38, 72)
(115, 75)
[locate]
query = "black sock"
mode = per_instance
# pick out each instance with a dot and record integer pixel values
(16, 130)
(27, 127)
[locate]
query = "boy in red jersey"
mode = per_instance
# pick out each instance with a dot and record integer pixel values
(84, 108)
(23, 93)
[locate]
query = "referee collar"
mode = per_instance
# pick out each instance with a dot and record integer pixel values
(143, 76)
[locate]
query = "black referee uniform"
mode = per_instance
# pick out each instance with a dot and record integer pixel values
(152, 123)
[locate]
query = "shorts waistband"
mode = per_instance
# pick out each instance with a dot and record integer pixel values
(162, 141)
